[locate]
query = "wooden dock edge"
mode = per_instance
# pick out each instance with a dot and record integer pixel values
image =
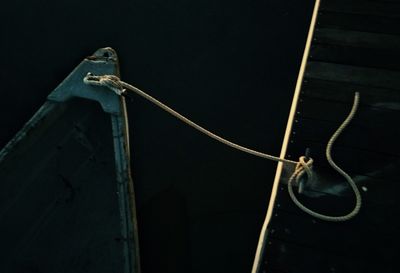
(262, 238)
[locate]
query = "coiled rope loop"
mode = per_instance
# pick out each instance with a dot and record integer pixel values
(301, 170)
(303, 166)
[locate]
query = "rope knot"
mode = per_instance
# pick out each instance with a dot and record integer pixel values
(304, 166)
(110, 81)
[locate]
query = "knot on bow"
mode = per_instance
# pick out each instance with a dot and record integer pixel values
(109, 81)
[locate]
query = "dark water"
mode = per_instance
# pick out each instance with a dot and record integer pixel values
(229, 65)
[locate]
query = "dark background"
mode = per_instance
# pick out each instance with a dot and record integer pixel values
(229, 65)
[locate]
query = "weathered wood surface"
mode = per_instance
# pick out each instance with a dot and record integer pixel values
(355, 48)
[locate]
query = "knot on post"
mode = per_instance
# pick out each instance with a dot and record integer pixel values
(304, 166)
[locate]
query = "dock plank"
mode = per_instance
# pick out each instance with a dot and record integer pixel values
(357, 39)
(372, 118)
(359, 22)
(344, 92)
(357, 56)
(368, 7)
(353, 74)
(368, 138)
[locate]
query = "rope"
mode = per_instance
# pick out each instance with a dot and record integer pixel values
(120, 87)
(301, 170)
(303, 166)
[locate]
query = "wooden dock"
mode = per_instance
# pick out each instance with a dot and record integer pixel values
(354, 46)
